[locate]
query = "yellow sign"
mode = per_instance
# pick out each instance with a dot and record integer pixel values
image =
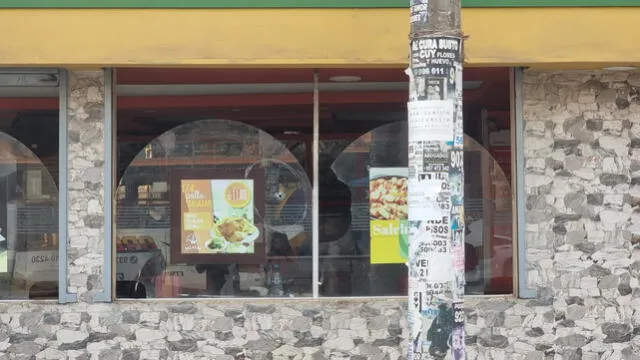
(388, 237)
(389, 229)
(237, 194)
(217, 217)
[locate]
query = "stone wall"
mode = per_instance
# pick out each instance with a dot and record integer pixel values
(222, 330)
(85, 151)
(582, 134)
(499, 328)
(582, 163)
(582, 150)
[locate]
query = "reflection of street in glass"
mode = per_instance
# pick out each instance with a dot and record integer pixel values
(3, 261)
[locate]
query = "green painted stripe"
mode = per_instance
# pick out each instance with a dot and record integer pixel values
(298, 3)
(550, 3)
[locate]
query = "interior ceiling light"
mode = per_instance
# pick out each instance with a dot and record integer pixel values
(345, 78)
(620, 68)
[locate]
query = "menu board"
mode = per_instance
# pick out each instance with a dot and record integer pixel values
(215, 219)
(389, 228)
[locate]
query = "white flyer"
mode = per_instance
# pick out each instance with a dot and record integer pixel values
(440, 261)
(431, 120)
(422, 203)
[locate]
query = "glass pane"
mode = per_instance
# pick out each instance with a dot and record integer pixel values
(302, 154)
(489, 221)
(29, 194)
(348, 267)
(363, 171)
(214, 208)
(356, 258)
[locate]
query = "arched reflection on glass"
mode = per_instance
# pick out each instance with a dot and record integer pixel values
(214, 208)
(363, 199)
(28, 224)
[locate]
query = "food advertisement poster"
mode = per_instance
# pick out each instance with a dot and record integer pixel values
(217, 217)
(389, 228)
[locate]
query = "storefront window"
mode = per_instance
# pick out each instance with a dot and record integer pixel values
(363, 172)
(214, 206)
(350, 262)
(215, 198)
(28, 188)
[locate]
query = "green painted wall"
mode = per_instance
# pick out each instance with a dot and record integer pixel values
(298, 3)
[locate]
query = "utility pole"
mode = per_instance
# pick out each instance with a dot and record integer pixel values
(436, 182)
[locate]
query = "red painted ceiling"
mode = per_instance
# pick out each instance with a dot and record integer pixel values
(280, 110)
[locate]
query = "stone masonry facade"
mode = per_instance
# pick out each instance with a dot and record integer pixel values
(85, 151)
(582, 132)
(582, 184)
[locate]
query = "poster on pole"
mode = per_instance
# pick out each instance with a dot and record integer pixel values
(432, 334)
(419, 11)
(435, 212)
(458, 333)
(431, 120)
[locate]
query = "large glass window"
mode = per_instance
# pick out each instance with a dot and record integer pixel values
(363, 169)
(29, 117)
(215, 197)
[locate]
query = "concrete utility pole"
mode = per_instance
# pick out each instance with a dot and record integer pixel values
(436, 182)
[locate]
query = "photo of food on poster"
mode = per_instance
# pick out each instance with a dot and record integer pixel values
(217, 217)
(389, 227)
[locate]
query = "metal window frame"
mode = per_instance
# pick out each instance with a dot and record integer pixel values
(524, 291)
(315, 191)
(64, 296)
(63, 175)
(106, 295)
(520, 288)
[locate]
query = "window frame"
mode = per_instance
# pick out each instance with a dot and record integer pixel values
(520, 288)
(64, 296)
(108, 285)
(62, 87)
